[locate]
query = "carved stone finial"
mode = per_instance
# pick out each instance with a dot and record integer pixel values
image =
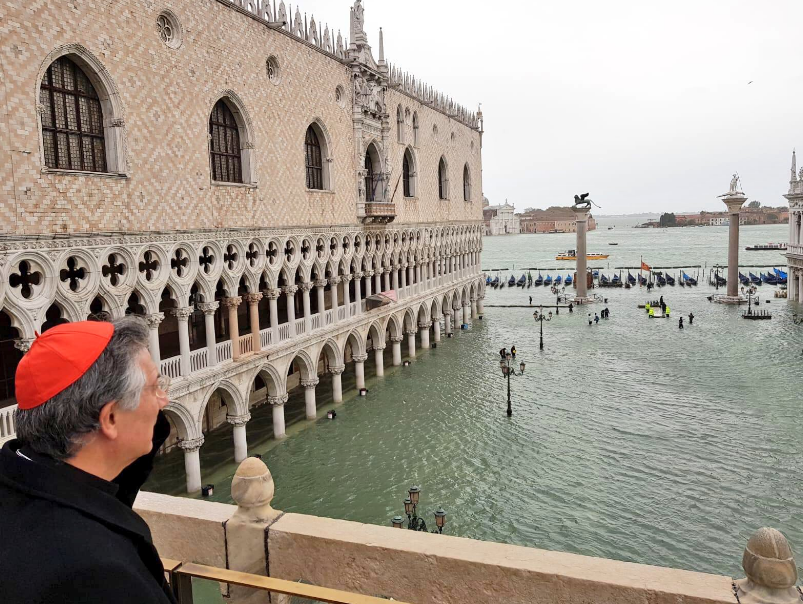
(770, 568)
(252, 489)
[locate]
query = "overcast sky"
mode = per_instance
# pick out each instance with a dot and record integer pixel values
(648, 107)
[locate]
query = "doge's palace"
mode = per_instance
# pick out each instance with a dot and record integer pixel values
(276, 199)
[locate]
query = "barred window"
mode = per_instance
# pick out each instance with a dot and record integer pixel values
(72, 120)
(408, 192)
(313, 160)
(225, 147)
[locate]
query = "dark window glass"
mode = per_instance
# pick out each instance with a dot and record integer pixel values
(225, 145)
(313, 160)
(72, 123)
(370, 181)
(466, 184)
(442, 180)
(406, 177)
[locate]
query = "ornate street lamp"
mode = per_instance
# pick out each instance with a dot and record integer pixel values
(509, 369)
(414, 523)
(539, 317)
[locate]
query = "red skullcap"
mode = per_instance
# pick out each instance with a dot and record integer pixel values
(58, 358)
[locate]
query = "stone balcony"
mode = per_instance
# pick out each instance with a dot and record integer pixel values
(379, 212)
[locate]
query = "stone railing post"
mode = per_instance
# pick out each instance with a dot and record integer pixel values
(209, 309)
(277, 402)
(771, 570)
(153, 335)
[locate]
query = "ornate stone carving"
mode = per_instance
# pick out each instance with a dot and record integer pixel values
(396, 339)
(23, 344)
(321, 283)
(310, 384)
(232, 302)
(306, 286)
(290, 290)
(208, 308)
(770, 569)
(272, 294)
(359, 358)
(155, 319)
(238, 420)
(191, 445)
(334, 280)
(337, 369)
(182, 314)
(252, 299)
(279, 400)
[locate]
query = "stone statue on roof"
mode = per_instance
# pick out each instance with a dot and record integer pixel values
(734, 183)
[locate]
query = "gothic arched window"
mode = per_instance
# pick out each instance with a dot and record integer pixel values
(399, 125)
(466, 183)
(409, 174)
(72, 120)
(415, 129)
(370, 180)
(224, 150)
(443, 180)
(313, 160)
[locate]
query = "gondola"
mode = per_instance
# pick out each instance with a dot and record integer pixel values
(689, 280)
(743, 279)
(631, 279)
(512, 281)
(720, 281)
(616, 281)
(568, 280)
(495, 282)
(754, 280)
(780, 276)
(548, 281)
(769, 278)
(604, 281)
(558, 280)
(488, 280)
(642, 280)
(661, 280)
(522, 280)
(670, 279)
(539, 280)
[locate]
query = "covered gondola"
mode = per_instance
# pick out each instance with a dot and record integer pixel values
(754, 280)
(631, 279)
(512, 281)
(670, 279)
(522, 280)
(548, 281)
(495, 282)
(539, 280)
(558, 280)
(568, 280)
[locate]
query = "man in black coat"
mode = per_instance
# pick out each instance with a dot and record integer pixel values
(89, 423)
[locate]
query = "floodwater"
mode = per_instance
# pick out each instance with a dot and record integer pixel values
(630, 439)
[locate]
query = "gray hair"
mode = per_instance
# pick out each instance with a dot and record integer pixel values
(59, 427)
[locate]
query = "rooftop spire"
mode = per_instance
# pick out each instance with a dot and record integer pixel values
(381, 47)
(794, 166)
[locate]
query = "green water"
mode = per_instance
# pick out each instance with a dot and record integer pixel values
(630, 439)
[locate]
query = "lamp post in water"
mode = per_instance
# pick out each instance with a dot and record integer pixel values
(509, 369)
(414, 523)
(538, 315)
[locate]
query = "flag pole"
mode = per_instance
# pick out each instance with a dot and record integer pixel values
(641, 266)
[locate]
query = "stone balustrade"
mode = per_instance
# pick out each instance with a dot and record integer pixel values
(7, 429)
(374, 560)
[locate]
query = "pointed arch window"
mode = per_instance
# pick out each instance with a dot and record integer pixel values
(313, 158)
(72, 120)
(443, 180)
(224, 150)
(399, 125)
(466, 183)
(408, 174)
(370, 179)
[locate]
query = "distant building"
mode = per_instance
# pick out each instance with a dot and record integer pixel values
(794, 254)
(552, 220)
(505, 221)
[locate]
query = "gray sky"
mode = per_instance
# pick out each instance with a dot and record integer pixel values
(648, 107)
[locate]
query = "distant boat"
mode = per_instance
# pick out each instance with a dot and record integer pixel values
(631, 279)
(522, 280)
(661, 280)
(538, 280)
(769, 247)
(548, 281)
(670, 279)
(689, 280)
(572, 255)
(642, 280)
(603, 280)
(512, 281)
(568, 280)
(754, 280)
(612, 243)
(495, 282)
(558, 279)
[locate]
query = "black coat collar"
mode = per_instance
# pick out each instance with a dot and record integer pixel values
(68, 486)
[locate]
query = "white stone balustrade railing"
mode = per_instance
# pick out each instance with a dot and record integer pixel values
(352, 309)
(246, 344)
(795, 249)
(198, 360)
(7, 428)
(171, 367)
(284, 332)
(316, 321)
(341, 313)
(223, 351)
(330, 316)
(265, 338)
(301, 326)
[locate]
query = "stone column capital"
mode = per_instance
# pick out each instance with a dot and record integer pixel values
(279, 400)
(155, 319)
(337, 369)
(359, 358)
(23, 344)
(359, 275)
(232, 302)
(290, 290)
(310, 384)
(334, 280)
(253, 299)
(321, 283)
(238, 420)
(424, 325)
(208, 308)
(191, 445)
(182, 314)
(448, 312)
(272, 294)
(410, 332)
(379, 348)
(396, 339)
(307, 286)
(347, 278)
(369, 273)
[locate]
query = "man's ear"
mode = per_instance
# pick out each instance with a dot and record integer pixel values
(108, 420)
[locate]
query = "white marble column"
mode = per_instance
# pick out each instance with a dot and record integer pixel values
(337, 383)
(378, 281)
(396, 349)
(192, 462)
(277, 403)
(379, 360)
(358, 291)
(480, 305)
(411, 273)
(799, 287)
(347, 295)
(305, 289)
(395, 278)
(359, 369)
(273, 308)
(333, 281)
(474, 314)
(209, 309)
(404, 268)
(290, 292)
(368, 288)
(253, 318)
(447, 321)
(418, 272)
(238, 423)
(734, 204)
(309, 397)
(467, 314)
(182, 317)
(320, 284)
(234, 329)
(411, 343)
(153, 335)
(423, 331)
(436, 327)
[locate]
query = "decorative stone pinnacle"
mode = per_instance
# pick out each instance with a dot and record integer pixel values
(337, 369)
(208, 308)
(277, 401)
(310, 384)
(182, 314)
(253, 298)
(238, 420)
(191, 444)
(232, 302)
(252, 489)
(770, 568)
(359, 358)
(155, 319)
